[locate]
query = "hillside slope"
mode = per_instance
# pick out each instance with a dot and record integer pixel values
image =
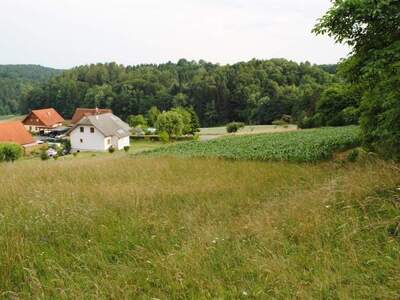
(17, 79)
(127, 228)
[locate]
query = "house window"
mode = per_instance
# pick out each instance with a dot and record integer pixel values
(81, 141)
(91, 130)
(82, 129)
(108, 141)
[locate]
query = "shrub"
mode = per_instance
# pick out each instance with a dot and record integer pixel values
(234, 127)
(111, 149)
(164, 137)
(10, 152)
(126, 148)
(67, 146)
(287, 118)
(305, 122)
(43, 155)
(353, 155)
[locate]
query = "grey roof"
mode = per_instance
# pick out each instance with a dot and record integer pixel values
(108, 124)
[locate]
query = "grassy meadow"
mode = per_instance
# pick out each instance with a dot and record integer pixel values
(122, 227)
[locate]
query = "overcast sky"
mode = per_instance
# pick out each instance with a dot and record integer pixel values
(66, 33)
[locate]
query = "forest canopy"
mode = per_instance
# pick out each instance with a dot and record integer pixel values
(15, 83)
(255, 92)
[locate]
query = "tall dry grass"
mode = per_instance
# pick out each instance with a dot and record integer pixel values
(124, 228)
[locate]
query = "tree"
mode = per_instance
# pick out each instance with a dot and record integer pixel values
(337, 106)
(152, 115)
(136, 121)
(372, 29)
(170, 122)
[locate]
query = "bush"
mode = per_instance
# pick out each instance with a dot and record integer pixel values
(10, 152)
(111, 149)
(305, 122)
(126, 148)
(164, 137)
(234, 127)
(67, 146)
(353, 155)
(43, 155)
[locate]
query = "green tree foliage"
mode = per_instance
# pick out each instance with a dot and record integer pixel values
(256, 92)
(170, 122)
(10, 152)
(138, 120)
(337, 106)
(372, 29)
(15, 83)
(152, 115)
(234, 127)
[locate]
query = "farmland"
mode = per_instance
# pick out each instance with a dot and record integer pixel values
(297, 146)
(117, 227)
(216, 132)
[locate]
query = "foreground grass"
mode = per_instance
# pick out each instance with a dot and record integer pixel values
(123, 228)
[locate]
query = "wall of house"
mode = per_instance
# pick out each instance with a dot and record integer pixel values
(88, 141)
(123, 142)
(33, 124)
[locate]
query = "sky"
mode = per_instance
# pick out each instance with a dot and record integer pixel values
(67, 33)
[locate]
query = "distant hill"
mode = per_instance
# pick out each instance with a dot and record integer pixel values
(15, 79)
(28, 72)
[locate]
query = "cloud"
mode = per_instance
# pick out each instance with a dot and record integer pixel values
(65, 33)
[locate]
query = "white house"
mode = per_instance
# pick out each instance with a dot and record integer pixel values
(99, 133)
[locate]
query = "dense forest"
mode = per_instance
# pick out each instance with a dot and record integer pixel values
(255, 92)
(15, 83)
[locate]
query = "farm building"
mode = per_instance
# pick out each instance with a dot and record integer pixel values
(99, 133)
(84, 112)
(15, 132)
(43, 120)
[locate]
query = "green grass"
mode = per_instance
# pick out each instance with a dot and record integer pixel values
(10, 118)
(298, 146)
(139, 228)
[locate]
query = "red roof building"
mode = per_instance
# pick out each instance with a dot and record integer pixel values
(15, 132)
(43, 119)
(85, 112)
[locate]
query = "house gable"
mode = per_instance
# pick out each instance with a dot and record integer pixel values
(48, 117)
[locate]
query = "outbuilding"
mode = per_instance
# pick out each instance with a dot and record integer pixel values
(43, 120)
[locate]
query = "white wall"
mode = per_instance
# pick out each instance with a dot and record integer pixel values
(90, 141)
(123, 142)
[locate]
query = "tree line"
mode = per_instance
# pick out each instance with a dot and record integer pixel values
(254, 92)
(15, 83)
